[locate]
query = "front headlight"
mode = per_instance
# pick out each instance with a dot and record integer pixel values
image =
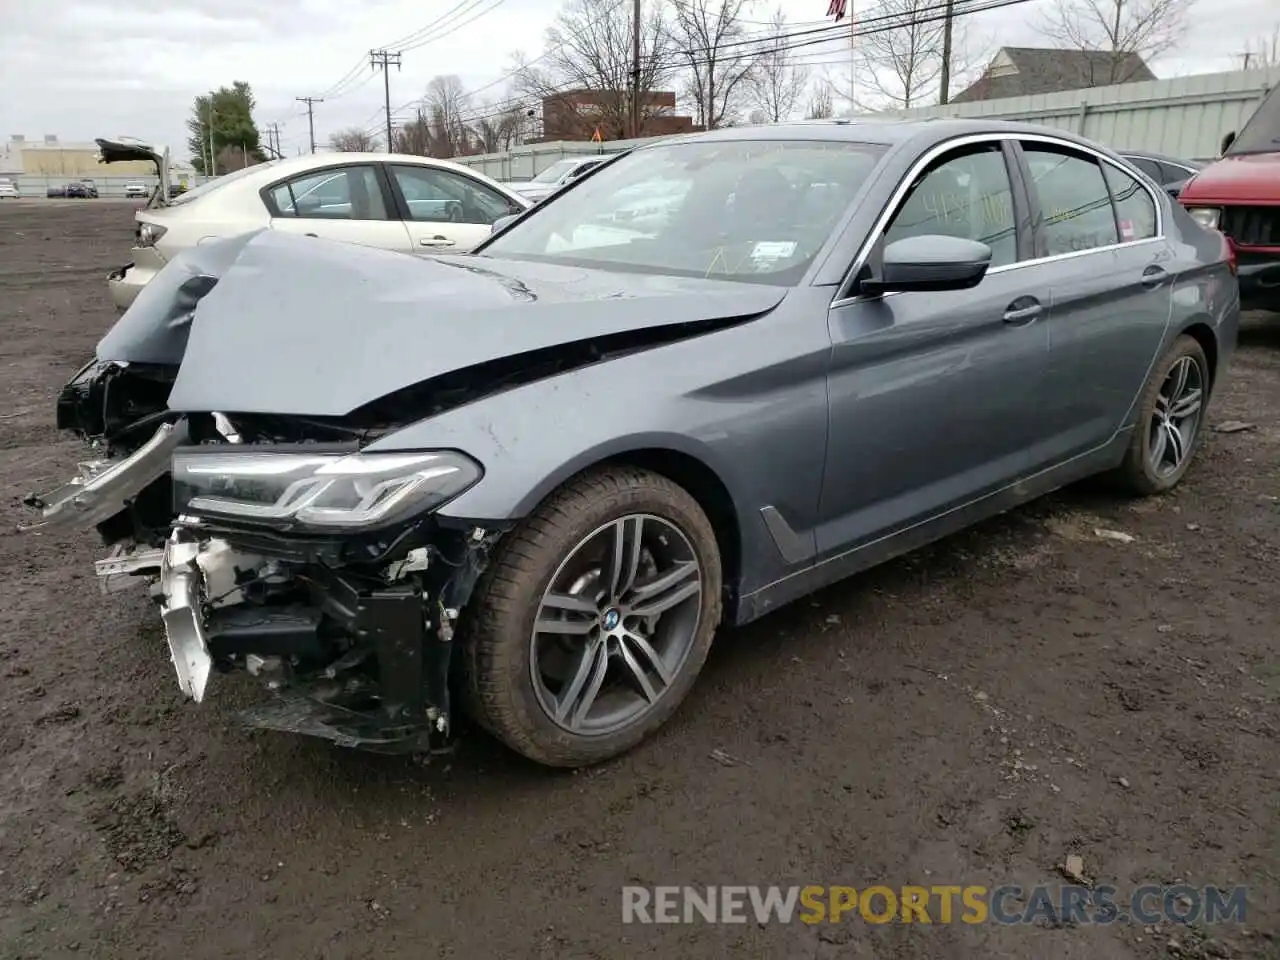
(1207, 217)
(321, 491)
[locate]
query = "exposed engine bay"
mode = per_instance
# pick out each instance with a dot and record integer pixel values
(356, 646)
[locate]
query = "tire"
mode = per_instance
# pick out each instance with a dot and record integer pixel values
(499, 648)
(1137, 473)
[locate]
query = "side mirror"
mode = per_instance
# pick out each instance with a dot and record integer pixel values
(1227, 140)
(502, 222)
(1175, 189)
(929, 262)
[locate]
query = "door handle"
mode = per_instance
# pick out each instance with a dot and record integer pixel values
(311, 235)
(1154, 275)
(436, 241)
(1023, 310)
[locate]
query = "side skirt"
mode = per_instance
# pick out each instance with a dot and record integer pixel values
(833, 569)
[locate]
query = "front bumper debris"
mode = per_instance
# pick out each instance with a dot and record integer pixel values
(105, 487)
(360, 657)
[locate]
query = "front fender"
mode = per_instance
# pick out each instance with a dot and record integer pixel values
(748, 403)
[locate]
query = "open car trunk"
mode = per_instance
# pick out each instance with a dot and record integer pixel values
(120, 151)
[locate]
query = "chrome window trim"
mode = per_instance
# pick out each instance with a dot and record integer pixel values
(904, 185)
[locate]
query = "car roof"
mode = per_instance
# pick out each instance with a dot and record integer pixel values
(888, 131)
(1164, 157)
(315, 161)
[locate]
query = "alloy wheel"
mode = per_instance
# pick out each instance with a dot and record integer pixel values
(615, 625)
(1176, 417)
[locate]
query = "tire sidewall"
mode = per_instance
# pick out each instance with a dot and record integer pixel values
(559, 746)
(1184, 346)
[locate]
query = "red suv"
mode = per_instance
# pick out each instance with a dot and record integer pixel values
(1240, 195)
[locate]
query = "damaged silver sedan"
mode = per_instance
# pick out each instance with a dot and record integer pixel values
(530, 482)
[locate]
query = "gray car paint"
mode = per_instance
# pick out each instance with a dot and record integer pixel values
(357, 323)
(841, 429)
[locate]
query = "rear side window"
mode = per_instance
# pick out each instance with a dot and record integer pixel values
(1135, 210)
(342, 193)
(1172, 173)
(1075, 204)
(1149, 167)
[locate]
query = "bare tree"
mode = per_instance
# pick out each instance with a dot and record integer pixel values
(584, 78)
(497, 129)
(1263, 54)
(353, 140)
(777, 83)
(820, 103)
(413, 137)
(1121, 28)
(708, 34)
(902, 64)
(447, 105)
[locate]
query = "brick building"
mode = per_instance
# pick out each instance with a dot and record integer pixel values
(577, 114)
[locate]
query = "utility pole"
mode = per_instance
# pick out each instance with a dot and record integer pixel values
(383, 59)
(944, 94)
(273, 137)
(211, 170)
(635, 68)
(311, 117)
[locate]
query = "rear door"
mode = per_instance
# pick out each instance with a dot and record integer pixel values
(1100, 252)
(348, 202)
(934, 397)
(445, 210)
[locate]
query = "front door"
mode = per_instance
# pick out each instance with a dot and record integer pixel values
(346, 203)
(446, 211)
(934, 396)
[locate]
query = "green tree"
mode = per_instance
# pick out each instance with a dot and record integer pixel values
(229, 110)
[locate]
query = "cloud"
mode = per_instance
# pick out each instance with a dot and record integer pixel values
(100, 68)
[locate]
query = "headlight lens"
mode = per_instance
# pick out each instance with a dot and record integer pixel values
(323, 492)
(149, 233)
(1207, 217)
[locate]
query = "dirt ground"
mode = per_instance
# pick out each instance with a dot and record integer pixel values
(972, 714)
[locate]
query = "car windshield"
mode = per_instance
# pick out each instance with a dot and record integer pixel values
(748, 210)
(210, 186)
(1262, 133)
(555, 171)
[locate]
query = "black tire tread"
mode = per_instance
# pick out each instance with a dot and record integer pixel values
(1133, 476)
(529, 553)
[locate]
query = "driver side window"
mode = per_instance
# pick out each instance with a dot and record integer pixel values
(443, 196)
(964, 194)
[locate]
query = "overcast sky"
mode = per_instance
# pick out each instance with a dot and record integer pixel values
(86, 68)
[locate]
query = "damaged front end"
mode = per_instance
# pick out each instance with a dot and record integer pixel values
(352, 631)
(273, 545)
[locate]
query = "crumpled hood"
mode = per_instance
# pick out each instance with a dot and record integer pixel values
(1249, 177)
(296, 325)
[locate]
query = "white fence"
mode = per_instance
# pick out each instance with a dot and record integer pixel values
(1182, 117)
(37, 185)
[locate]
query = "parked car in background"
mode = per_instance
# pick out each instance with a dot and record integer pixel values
(1170, 172)
(560, 174)
(1239, 194)
(531, 482)
(404, 203)
(77, 189)
(134, 189)
(8, 189)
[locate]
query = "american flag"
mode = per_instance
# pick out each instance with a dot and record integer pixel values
(837, 8)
